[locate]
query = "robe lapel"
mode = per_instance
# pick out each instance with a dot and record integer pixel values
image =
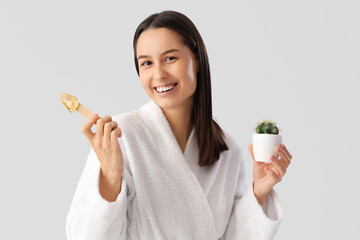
(196, 201)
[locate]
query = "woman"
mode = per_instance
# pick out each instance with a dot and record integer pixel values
(167, 170)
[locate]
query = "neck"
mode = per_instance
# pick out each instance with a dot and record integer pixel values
(180, 121)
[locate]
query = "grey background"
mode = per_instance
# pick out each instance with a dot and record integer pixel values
(295, 62)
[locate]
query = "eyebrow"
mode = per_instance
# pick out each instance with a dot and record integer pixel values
(167, 51)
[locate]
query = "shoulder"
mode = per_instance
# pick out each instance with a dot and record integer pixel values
(231, 142)
(234, 155)
(129, 120)
(126, 117)
(135, 120)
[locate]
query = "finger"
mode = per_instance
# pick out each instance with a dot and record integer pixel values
(100, 124)
(109, 126)
(86, 128)
(274, 177)
(251, 151)
(284, 157)
(115, 134)
(255, 163)
(278, 167)
(286, 150)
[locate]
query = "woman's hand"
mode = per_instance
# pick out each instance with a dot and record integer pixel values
(266, 175)
(107, 148)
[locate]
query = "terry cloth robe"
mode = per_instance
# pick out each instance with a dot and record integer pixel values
(165, 194)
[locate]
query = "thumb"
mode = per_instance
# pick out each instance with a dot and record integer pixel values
(86, 128)
(255, 163)
(251, 151)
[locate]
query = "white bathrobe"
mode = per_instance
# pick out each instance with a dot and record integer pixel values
(165, 194)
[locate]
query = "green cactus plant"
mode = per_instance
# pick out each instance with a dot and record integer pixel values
(267, 127)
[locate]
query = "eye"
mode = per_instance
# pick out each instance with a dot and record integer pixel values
(170, 58)
(145, 63)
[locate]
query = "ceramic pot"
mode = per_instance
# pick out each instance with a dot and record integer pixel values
(264, 146)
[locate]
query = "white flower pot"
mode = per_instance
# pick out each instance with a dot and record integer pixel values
(264, 146)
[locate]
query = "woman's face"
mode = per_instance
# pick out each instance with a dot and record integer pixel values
(167, 68)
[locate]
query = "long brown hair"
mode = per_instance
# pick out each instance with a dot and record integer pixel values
(210, 136)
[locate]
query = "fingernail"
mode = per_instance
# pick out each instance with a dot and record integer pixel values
(273, 158)
(278, 150)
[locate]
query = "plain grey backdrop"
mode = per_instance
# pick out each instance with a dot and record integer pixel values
(294, 62)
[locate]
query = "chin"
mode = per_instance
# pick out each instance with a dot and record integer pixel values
(165, 103)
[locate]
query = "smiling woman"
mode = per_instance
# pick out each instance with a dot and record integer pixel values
(167, 64)
(171, 172)
(171, 35)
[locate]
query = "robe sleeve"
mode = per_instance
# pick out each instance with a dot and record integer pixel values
(248, 219)
(91, 216)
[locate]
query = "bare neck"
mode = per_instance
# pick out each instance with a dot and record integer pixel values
(180, 121)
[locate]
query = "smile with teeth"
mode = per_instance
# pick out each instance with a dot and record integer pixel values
(165, 89)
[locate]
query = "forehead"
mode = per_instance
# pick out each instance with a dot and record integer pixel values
(157, 40)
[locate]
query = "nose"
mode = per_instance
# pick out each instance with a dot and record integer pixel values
(160, 72)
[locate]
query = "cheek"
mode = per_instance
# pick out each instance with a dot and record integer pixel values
(143, 78)
(191, 76)
(188, 80)
(187, 72)
(145, 82)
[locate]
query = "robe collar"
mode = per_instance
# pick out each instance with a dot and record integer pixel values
(196, 201)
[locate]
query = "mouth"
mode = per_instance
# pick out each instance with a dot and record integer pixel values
(165, 88)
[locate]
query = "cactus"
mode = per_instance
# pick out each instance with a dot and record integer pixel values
(267, 127)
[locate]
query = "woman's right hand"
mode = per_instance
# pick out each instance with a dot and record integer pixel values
(106, 145)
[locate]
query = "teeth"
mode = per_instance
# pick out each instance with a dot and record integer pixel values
(164, 89)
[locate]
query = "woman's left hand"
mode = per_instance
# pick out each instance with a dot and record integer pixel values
(266, 175)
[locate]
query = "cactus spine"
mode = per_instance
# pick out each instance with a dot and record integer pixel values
(267, 127)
